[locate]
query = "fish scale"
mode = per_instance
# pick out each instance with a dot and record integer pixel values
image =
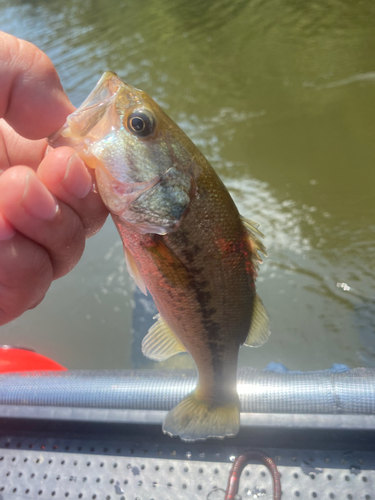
(184, 242)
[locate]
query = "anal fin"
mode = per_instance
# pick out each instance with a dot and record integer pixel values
(161, 343)
(259, 330)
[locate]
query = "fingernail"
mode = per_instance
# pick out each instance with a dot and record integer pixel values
(6, 230)
(77, 181)
(37, 200)
(48, 150)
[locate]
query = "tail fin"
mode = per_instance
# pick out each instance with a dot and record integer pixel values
(195, 420)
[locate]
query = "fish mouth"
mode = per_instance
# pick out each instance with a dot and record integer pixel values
(76, 131)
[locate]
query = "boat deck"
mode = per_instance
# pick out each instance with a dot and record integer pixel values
(57, 453)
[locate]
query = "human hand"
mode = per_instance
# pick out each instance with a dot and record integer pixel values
(47, 205)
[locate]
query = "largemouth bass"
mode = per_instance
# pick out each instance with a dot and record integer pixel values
(184, 241)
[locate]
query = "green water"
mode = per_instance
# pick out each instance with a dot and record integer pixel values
(279, 95)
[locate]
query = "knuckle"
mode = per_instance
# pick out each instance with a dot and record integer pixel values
(24, 263)
(94, 214)
(70, 246)
(25, 276)
(34, 60)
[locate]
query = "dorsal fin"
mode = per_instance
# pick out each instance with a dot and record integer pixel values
(134, 271)
(256, 245)
(161, 343)
(259, 330)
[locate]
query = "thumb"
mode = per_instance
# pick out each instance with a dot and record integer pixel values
(32, 99)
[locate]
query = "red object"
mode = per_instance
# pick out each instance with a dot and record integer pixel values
(240, 463)
(19, 359)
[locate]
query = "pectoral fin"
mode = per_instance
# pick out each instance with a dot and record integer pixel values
(255, 243)
(134, 271)
(259, 330)
(161, 343)
(169, 265)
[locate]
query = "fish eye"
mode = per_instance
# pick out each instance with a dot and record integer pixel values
(141, 123)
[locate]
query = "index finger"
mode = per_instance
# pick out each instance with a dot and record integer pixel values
(32, 99)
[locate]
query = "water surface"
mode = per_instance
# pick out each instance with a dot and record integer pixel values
(279, 95)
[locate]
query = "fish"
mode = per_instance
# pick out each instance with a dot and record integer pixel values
(184, 242)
